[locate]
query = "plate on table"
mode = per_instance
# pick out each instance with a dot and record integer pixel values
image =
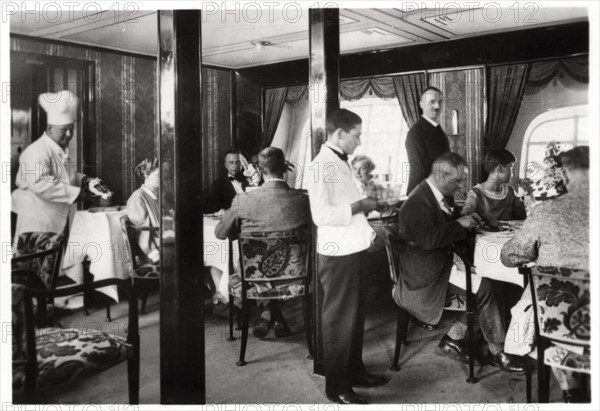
(501, 227)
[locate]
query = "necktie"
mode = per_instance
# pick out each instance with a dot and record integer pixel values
(343, 157)
(447, 206)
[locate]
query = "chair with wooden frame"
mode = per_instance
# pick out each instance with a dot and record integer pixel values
(143, 270)
(394, 245)
(279, 258)
(44, 358)
(561, 306)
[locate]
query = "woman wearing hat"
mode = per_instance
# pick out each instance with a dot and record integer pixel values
(143, 208)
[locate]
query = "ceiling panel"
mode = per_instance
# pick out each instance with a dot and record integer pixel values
(227, 35)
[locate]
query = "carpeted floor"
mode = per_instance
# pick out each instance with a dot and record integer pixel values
(279, 372)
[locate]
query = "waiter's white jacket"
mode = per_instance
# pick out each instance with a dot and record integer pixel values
(47, 188)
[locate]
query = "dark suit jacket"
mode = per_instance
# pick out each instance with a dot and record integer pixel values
(424, 143)
(425, 268)
(272, 207)
(222, 193)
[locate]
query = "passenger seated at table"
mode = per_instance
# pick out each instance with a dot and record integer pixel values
(495, 199)
(427, 219)
(556, 234)
(225, 188)
(143, 208)
(274, 206)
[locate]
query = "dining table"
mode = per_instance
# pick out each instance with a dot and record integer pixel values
(97, 238)
(221, 256)
(488, 246)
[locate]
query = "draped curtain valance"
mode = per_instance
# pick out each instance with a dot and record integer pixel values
(543, 72)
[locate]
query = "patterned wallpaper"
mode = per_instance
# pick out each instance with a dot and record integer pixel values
(463, 91)
(125, 105)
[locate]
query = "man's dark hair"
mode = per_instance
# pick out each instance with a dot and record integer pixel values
(271, 161)
(428, 89)
(577, 158)
(447, 159)
(344, 119)
(230, 151)
(496, 157)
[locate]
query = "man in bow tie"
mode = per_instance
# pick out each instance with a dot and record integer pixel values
(343, 236)
(426, 140)
(224, 189)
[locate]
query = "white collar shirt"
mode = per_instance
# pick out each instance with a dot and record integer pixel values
(332, 190)
(440, 198)
(237, 185)
(433, 123)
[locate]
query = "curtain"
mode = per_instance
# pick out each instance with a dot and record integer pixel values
(542, 72)
(505, 87)
(408, 89)
(273, 106)
(382, 87)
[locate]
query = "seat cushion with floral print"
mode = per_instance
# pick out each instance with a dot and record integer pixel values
(35, 242)
(147, 271)
(560, 357)
(563, 300)
(67, 355)
(266, 290)
(269, 256)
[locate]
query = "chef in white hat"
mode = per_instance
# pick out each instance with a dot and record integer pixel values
(48, 186)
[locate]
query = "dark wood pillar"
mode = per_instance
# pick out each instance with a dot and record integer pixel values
(182, 360)
(324, 79)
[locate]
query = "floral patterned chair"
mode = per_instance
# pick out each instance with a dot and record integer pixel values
(143, 269)
(454, 302)
(44, 358)
(561, 304)
(274, 265)
(36, 263)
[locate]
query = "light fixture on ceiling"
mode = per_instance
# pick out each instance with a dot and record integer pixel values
(260, 45)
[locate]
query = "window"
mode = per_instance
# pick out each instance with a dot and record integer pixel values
(383, 136)
(566, 125)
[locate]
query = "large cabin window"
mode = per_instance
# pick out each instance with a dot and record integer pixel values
(566, 126)
(383, 136)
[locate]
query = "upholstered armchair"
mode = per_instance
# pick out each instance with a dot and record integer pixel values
(44, 358)
(561, 303)
(144, 271)
(279, 260)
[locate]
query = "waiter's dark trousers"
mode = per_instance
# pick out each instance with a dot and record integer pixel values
(343, 279)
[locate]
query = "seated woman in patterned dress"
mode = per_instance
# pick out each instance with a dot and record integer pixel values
(143, 209)
(495, 199)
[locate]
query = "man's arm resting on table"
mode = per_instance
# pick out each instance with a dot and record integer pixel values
(229, 226)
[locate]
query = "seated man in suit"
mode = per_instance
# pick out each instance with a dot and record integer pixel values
(249, 212)
(427, 219)
(225, 188)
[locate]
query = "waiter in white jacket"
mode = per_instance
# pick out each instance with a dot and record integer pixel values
(49, 187)
(343, 236)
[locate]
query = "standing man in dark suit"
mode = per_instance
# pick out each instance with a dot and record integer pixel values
(224, 189)
(343, 236)
(427, 219)
(272, 207)
(426, 140)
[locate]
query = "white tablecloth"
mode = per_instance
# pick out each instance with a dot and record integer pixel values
(487, 258)
(97, 237)
(216, 256)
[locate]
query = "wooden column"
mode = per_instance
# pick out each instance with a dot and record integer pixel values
(182, 361)
(324, 78)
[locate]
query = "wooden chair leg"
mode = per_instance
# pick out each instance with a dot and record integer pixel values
(402, 323)
(245, 325)
(108, 318)
(528, 371)
(543, 375)
(471, 343)
(307, 324)
(133, 378)
(231, 308)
